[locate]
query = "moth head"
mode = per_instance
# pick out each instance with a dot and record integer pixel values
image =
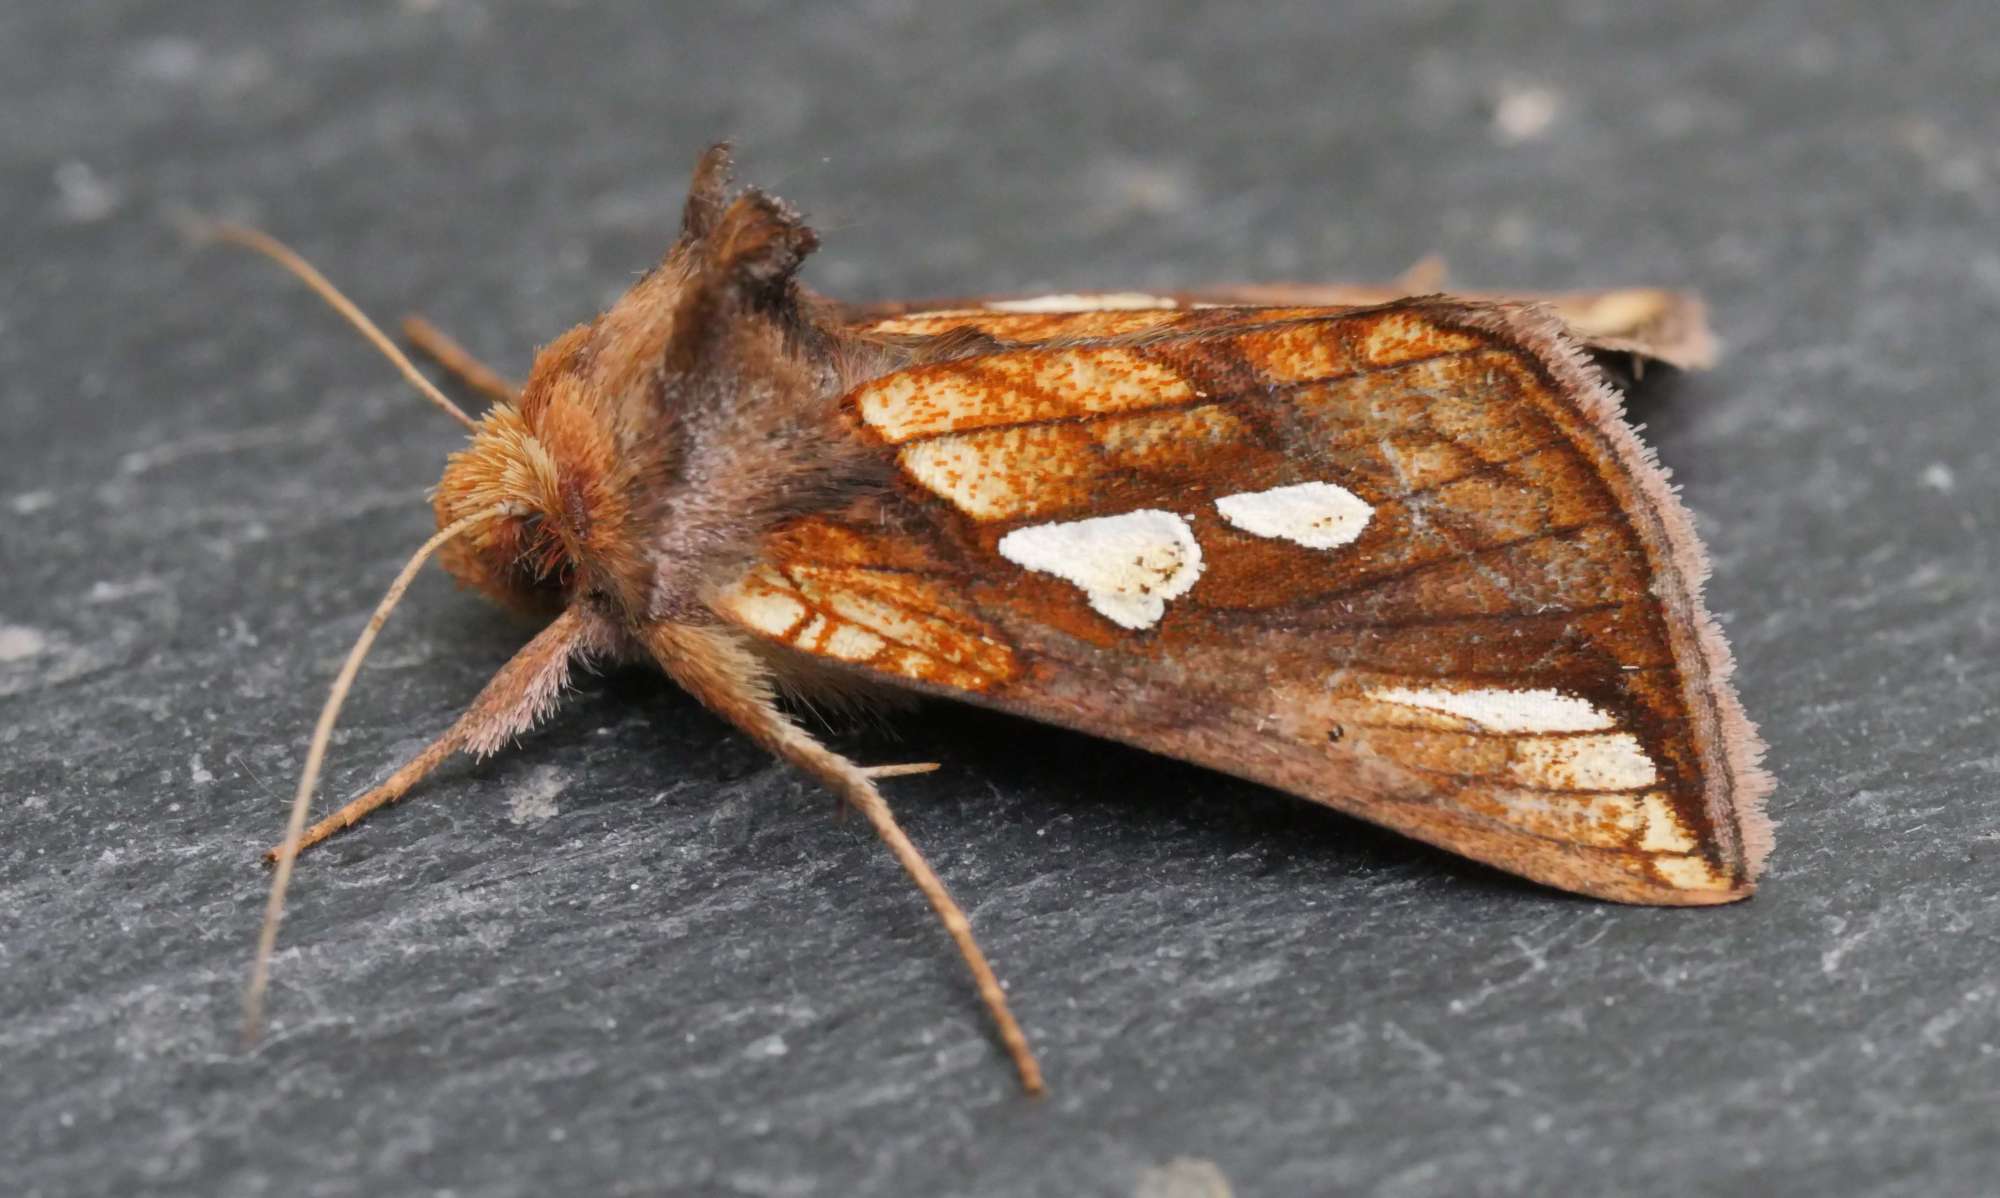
(547, 464)
(605, 445)
(550, 504)
(645, 442)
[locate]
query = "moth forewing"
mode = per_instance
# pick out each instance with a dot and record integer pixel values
(1405, 560)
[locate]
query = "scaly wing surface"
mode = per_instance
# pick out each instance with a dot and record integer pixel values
(1407, 561)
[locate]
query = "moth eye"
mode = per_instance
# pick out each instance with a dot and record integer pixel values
(541, 557)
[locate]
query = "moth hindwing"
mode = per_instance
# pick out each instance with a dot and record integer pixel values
(1408, 561)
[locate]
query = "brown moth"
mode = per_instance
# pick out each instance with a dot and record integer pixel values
(1400, 556)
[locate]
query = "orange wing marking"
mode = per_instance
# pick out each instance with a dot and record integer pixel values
(1015, 388)
(893, 622)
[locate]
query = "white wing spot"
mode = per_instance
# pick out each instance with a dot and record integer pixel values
(18, 642)
(1689, 872)
(1497, 709)
(1603, 761)
(1663, 833)
(1318, 515)
(1128, 566)
(766, 611)
(1104, 301)
(849, 643)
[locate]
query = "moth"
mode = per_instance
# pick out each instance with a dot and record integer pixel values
(1400, 556)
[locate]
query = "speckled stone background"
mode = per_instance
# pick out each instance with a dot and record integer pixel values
(633, 956)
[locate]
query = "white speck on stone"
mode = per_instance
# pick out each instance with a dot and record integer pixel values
(82, 195)
(1940, 478)
(1118, 189)
(18, 642)
(168, 60)
(533, 800)
(767, 1047)
(1675, 116)
(1128, 566)
(1318, 515)
(1183, 1177)
(1511, 230)
(198, 773)
(204, 444)
(104, 591)
(1951, 163)
(184, 62)
(763, 1182)
(27, 503)
(1524, 113)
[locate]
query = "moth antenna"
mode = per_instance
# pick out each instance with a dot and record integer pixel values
(274, 907)
(443, 349)
(201, 228)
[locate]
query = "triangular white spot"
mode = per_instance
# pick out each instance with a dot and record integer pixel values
(1128, 565)
(1318, 515)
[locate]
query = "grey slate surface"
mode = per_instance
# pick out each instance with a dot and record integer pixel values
(634, 957)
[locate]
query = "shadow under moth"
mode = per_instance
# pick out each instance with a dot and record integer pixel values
(1396, 554)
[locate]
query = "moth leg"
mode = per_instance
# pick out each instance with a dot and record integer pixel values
(439, 346)
(901, 771)
(523, 693)
(717, 667)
